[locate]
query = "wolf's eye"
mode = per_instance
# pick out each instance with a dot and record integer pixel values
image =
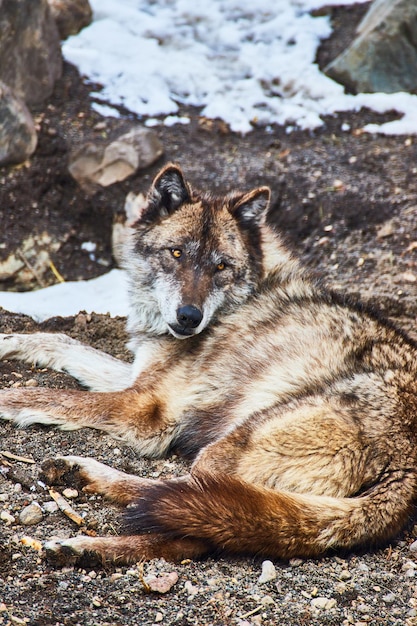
(220, 266)
(176, 253)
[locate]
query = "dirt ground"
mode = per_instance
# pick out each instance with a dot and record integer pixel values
(347, 202)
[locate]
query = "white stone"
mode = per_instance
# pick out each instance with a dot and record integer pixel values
(31, 514)
(268, 572)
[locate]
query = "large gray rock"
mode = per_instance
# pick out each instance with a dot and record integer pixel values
(30, 52)
(383, 57)
(71, 15)
(17, 130)
(95, 165)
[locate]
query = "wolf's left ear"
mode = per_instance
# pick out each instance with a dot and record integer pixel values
(169, 190)
(252, 207)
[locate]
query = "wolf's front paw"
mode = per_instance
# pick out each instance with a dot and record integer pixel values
(63, 470)
(8, 345)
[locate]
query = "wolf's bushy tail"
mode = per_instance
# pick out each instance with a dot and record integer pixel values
(240, 518)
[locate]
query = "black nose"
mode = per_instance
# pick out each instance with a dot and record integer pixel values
(189, 316)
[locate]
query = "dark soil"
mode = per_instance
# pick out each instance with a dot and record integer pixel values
(347, 203)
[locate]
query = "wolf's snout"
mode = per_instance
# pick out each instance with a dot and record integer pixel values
(189, 316)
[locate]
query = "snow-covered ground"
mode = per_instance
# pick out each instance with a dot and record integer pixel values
(105, 294)
(243, 61)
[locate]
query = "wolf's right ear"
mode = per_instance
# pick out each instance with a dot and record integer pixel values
(169, 191)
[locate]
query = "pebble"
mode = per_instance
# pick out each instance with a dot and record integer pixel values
(70, 493)
(50, 506)
(268, 572)
(116, 576)
(7, 517)
(161, 583)
(32, 382)
(191, 589)
(389, 598)
(4, 497)
(323, 603)
(413, 547)
(31, 514)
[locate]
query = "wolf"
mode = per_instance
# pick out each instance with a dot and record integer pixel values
(296, 407)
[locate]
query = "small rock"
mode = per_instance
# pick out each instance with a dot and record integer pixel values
(70, 493)
(268, 572)
(116, 576)
(4, 497)
(50, 506)
(409, 277)
(7, 517)
(158, 617)
(345, 575)
(32, 382)
(363, 567)
(162, 583)
(323, 603)
(95, 165)
(191, 589)
(31, 514)
(413, 546)
(267, 600)
(386, 230)
(389, 598)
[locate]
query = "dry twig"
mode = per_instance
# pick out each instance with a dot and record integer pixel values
(15, 457)
(65, 507)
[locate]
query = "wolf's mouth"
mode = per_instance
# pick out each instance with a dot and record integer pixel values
(180, 332)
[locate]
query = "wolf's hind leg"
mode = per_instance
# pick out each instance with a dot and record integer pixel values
(94, 477)
(94, 369)
(308, 449)
(122, 550)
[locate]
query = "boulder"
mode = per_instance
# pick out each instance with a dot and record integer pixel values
(95, 165)
(71, 16)
(30, 52)
(383, 57)
(17, 131)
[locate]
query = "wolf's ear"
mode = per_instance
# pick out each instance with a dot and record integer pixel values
(251, 208)
(169, 190)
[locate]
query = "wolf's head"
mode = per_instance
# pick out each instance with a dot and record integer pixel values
(192, 257)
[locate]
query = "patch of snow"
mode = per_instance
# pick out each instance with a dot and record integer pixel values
(244, 62)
